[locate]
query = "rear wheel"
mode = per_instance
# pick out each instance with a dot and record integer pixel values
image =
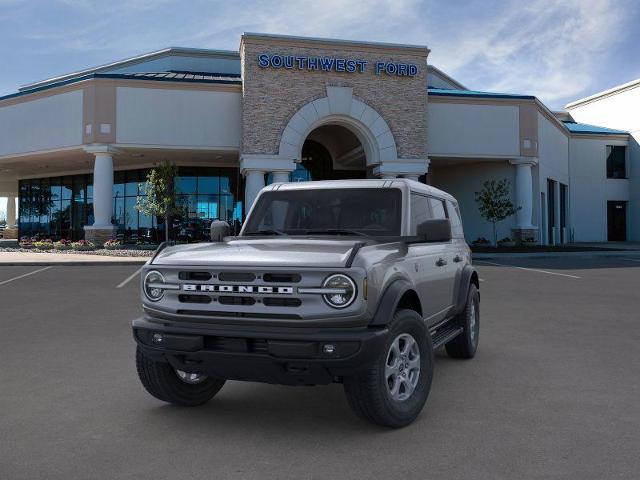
(466, 344)
(393, 389)
(175, 386)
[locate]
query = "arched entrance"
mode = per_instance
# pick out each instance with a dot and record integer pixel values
(332, 123)
(332, 152)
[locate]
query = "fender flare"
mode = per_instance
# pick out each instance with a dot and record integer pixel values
(389, 302)
(467, 277)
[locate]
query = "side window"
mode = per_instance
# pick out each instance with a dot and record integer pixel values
(420, 211)
(456, 222)
(437, 207)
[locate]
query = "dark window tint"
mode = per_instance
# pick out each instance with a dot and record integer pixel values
(420, 211)
(373, 211)
(616, 167)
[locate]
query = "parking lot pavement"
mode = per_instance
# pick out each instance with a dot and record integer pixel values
(552, 393)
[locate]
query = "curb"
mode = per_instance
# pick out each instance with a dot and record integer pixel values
(617, 253)
(71, 264)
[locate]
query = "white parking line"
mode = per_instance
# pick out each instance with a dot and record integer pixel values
(25, 275)
(129, 278)
(529, 269)
(481, 279)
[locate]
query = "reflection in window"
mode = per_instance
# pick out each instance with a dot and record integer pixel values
(616, 161)
(59, 207)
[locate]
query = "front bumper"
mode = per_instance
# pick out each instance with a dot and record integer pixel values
(273, 355)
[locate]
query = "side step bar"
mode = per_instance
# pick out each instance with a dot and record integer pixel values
(445, 334)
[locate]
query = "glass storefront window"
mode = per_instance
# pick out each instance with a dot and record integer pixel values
(186, 184)
(209, 184)
(67, 189)
(59, 207)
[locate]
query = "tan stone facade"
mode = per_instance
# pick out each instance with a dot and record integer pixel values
(272, 96)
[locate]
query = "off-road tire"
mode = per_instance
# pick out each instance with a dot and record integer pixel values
(161, 381)
(368, 394)
(466, 344)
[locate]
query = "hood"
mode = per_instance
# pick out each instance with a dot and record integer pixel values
(257, 252)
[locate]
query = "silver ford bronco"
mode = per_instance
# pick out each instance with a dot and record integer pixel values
(349, 281)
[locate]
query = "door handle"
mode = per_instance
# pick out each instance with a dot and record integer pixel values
(441, 262)
(457, 259)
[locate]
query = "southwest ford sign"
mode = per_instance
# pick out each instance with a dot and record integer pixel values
(334, 64)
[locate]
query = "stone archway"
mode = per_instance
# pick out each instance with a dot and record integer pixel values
(339, 107)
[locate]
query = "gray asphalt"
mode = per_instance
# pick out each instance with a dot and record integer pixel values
(554, 391)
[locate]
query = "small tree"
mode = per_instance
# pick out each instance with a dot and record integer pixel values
(494, 203)
(161, 199)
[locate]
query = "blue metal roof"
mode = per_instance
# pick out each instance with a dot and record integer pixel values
(444, 92)
(188, 77)
(575, 127)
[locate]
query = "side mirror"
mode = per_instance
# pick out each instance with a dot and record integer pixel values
(435, 230)
(218, 230)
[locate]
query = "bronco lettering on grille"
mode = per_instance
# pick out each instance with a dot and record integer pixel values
(191, 287)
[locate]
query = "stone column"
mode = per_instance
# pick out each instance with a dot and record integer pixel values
(254, 165)
(524, 198)
(11, 211)
(254, 183)
(11, 232)
(102, 228)
(281, 176)
(402, 167)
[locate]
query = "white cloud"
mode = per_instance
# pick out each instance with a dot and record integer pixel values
(546, 48)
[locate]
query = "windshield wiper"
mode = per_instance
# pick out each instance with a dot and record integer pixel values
(338, 231)
(265, 232)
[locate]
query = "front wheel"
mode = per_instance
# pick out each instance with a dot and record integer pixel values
(175, 386)
(392, 390)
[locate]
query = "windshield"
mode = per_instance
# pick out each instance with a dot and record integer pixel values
(355, 211)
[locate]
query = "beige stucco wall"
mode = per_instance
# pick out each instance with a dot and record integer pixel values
(460, 129)
(50, 122)
(178, 117)
(272, 96)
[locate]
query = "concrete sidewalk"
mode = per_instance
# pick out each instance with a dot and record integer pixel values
(36, 259)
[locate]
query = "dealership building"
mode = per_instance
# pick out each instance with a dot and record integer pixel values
(75, 149)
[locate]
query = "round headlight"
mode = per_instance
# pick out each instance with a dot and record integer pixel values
(151, 289)
(343, 291)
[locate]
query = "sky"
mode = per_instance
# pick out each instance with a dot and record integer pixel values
(557, 50)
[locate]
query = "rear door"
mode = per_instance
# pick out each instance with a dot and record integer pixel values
(429, 267)
(459, 245)
(446, 262)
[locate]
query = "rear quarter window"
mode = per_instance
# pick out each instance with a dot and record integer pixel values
(456, 221)
(437, 208)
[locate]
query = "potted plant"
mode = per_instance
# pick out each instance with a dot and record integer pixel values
(83, 245)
